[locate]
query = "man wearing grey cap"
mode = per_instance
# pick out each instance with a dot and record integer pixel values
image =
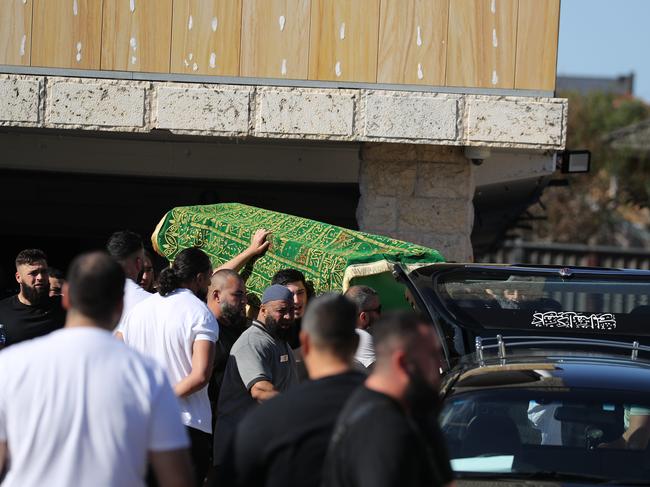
(261, 365)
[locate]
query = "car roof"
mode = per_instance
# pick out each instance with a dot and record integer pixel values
(547, 269)
(554, 369)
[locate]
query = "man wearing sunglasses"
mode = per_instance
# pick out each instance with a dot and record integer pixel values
(368, 306)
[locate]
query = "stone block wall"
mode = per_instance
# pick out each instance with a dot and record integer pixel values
(422, 194)
(298, 113)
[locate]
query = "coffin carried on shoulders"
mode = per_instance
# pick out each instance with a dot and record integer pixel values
(332, 258)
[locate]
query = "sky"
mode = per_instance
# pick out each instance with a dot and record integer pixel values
(606, 38)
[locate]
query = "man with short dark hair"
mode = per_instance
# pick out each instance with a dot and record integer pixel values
(32, 312)
(147, 277)
(127, 250)
(385, 435)
(56, 279)
(283, 442)
(261, 365)
(295, 281)
(79, 408)
(368, 306)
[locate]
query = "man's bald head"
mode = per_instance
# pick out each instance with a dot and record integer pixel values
(400, 331)
(408, 361)
(95, 286)
(227, 297)
(221, 277)
(330, 322)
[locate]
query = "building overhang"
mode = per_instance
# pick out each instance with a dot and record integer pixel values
(284, 112)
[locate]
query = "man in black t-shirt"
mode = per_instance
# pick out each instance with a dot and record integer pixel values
(32, 312)
(384, 436)
(283, 442)
(227, 301)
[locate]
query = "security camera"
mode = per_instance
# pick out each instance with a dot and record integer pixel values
(477, 154)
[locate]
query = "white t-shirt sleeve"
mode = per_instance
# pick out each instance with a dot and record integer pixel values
(365, 350)
(167, 429)
(206, 328)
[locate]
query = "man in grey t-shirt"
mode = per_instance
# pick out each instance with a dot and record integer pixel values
(260, 366)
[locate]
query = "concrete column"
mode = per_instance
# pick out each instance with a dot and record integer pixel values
(418, 193)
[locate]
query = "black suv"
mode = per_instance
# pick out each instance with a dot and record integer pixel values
(547, 373)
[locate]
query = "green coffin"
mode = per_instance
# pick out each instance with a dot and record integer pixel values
(332, 258)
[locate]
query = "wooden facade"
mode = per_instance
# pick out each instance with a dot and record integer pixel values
(507, 44)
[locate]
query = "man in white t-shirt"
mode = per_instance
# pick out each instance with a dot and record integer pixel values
(127, 250)
(77, 407)
(368, 306)
(177, 329)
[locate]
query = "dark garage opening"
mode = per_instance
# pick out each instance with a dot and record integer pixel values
(65, 214)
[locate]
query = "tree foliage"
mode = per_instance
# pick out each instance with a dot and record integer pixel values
(608, 206)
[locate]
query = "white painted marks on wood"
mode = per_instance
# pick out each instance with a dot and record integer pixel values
(282, 21)
(495, 77)
(493, 7)
(23, 41)
(187, 60)
(195, 67)
(283, 69)
(342, 31)
(495, 41)
(337, 69)
(190, 22)
(419, 37)
(214, 24)
(420, 72)
(78, 56)
(213, 60)
(134, 47)
(132, 5)
(75, 7)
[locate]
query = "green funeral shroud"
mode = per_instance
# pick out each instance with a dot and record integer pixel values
(332, 258)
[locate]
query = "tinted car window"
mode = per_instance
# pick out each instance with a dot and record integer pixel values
(574, 432)
(545, 303)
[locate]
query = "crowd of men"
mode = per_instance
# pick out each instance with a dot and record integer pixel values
(116, 377)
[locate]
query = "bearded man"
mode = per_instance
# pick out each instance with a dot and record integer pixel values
(387, 433)
(227, 300)
(32, 312)
(261, 365)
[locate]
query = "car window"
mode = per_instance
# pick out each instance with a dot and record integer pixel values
(529, 431)
(545, 303)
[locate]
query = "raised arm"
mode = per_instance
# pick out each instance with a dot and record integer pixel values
(258, 246)
(202, 362)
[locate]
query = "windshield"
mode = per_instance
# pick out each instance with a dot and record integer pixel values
(525, 432)
(602, 306)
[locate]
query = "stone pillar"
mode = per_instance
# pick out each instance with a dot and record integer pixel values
(418, 193)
